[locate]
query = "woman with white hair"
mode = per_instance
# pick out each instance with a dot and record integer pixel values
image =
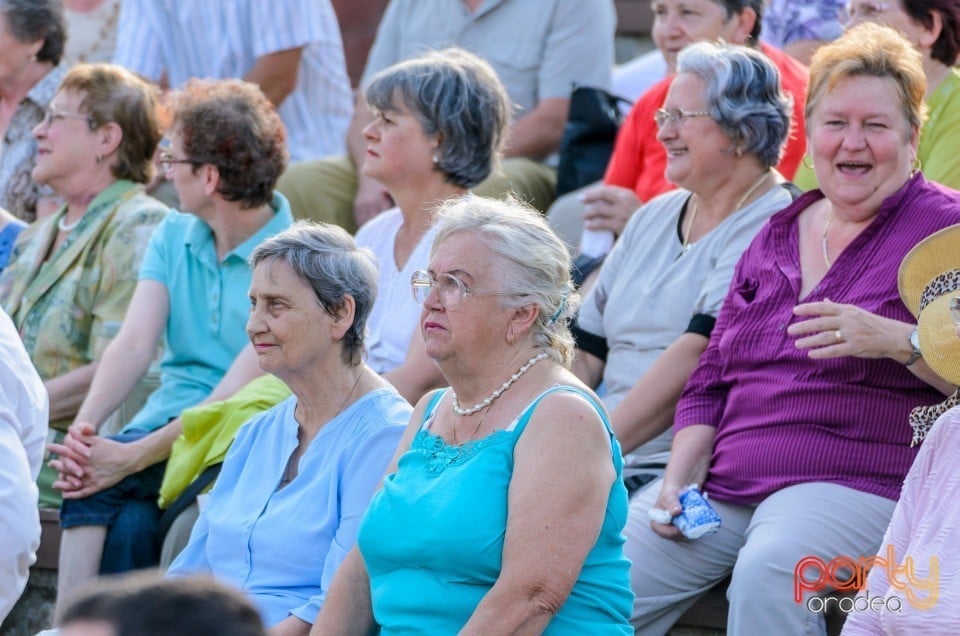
(514, 465)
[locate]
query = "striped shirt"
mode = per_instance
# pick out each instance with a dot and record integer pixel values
(783, 418)
(223, 39)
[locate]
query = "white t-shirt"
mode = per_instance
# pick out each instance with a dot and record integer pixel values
(394, 317)
(23, 429)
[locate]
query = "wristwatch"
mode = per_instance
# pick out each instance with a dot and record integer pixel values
(915, 343)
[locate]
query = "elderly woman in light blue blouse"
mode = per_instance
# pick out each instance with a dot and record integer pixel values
(285, 510)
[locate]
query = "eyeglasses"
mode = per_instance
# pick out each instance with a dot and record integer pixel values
(167, 160)
(52, 115)
(862, 11)
(450, 289)
(676, 116)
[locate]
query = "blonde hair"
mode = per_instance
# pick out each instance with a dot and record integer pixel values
(871, 50)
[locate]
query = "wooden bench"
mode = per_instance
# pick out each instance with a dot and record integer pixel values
(49, 552)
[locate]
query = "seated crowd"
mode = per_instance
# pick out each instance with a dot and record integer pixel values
(415, 347)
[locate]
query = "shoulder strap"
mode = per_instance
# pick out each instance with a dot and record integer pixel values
(432, 406)
(187, 497)
(597, 406)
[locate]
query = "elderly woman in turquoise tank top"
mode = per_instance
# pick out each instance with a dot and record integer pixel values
(504, 508)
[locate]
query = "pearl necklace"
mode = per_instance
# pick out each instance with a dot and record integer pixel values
(459, 410)
(64, 227)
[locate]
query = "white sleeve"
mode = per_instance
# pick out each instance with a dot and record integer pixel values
(19, 517)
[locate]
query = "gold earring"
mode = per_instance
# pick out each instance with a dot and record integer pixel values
(807, 161)
(917, 165)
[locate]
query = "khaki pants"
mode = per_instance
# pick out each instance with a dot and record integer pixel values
(760, 545)
(323, 190)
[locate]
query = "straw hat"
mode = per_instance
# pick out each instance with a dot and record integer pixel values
(929, 279)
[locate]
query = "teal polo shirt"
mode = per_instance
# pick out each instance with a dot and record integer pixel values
(209, 305)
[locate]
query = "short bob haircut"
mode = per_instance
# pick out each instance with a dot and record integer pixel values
(141, 604)
(947, 47)
(743, 95)
(230, 124)
(456, 96)
(870, 50)
(32, 20)
(533, 263)
(111, 93)
(326, 258)
(737, 6)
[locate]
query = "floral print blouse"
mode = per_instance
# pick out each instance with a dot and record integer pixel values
(19, 193)
(786, 21)
(68, 307)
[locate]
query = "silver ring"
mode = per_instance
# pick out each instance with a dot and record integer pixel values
(838, 335)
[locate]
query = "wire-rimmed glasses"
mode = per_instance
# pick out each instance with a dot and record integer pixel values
(676, 116)
(450, 289)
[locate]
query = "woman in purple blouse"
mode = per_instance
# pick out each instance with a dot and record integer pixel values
(795, 422)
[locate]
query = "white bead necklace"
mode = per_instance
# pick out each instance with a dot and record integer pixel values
(459, 410)
(64, 227)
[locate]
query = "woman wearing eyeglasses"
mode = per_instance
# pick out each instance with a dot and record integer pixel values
(72, 274)
(794, 420)
(645, 323)
(933, 28)
(502, 510)
(439, 127)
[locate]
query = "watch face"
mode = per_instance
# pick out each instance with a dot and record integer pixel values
(915, 340)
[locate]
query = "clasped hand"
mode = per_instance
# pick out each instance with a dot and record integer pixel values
(88, 463)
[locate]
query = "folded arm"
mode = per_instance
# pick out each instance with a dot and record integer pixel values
(276, 73)
(89, 463)
(538, 132)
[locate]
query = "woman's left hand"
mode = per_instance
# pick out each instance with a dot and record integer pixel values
(835, 330)
(108, 462)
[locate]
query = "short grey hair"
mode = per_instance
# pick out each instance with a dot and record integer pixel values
(456, 95)
(743, 94)
(32, 20)
(326, 257)
(533, 263)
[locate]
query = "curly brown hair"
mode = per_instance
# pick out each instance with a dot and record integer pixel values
(231, 125)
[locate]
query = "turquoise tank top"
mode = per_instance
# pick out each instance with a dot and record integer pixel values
(432, 538)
